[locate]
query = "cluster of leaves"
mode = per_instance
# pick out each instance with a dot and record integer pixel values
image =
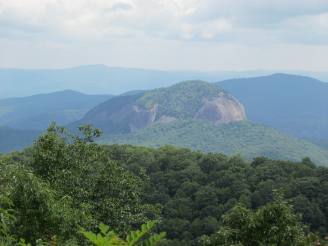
(7, 219)
(141, 237)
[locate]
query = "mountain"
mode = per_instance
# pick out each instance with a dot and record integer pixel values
(98, 79)
(296, 105)
(38, 111)
(197, 115)
(13, 139)
(247, 139)
(186, 100)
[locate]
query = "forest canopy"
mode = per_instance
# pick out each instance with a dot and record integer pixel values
(66, 182)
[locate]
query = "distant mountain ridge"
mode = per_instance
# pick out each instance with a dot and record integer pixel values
(102, 79)
(297, 105)
(99, 79)
(38, 111)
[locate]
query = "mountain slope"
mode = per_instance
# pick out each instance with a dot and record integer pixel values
(36, 112)
(245, 138)
(12, 139)
(297, 105)
(185, 100)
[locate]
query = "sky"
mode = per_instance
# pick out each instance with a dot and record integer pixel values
(227, 35)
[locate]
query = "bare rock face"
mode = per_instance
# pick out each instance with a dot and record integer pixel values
(166, 119)
(141, 118)
(221, 110)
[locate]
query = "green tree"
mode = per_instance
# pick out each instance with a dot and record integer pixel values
(39, 212)
(273, 224)
(81, 170)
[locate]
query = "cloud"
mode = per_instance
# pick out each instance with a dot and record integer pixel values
(121, 6)
(169, 19)
(95, 31)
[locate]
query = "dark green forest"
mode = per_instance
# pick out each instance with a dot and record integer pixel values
(68, 190)
(244, 138)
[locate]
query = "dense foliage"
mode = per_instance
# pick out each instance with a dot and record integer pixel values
(196, 189)
(67, 182)
(272, 224)
(244, 138)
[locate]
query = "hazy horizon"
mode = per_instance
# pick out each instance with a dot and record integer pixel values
(268, 72)
(101, 79)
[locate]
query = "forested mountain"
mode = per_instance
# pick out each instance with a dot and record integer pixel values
(38, 111)
(185, 100)
(194, 114)
(66, 182)
(245, 138)
(297, 105)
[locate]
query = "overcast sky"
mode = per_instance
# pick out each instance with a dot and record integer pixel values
(166, 34)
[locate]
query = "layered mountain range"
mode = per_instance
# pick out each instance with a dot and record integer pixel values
(233, 117)
(296, 105)
(38, 111)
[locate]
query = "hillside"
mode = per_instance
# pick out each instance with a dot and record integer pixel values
(244, 138)
(12, 139)
(38, 111)
(297, 105)
(185, 100)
